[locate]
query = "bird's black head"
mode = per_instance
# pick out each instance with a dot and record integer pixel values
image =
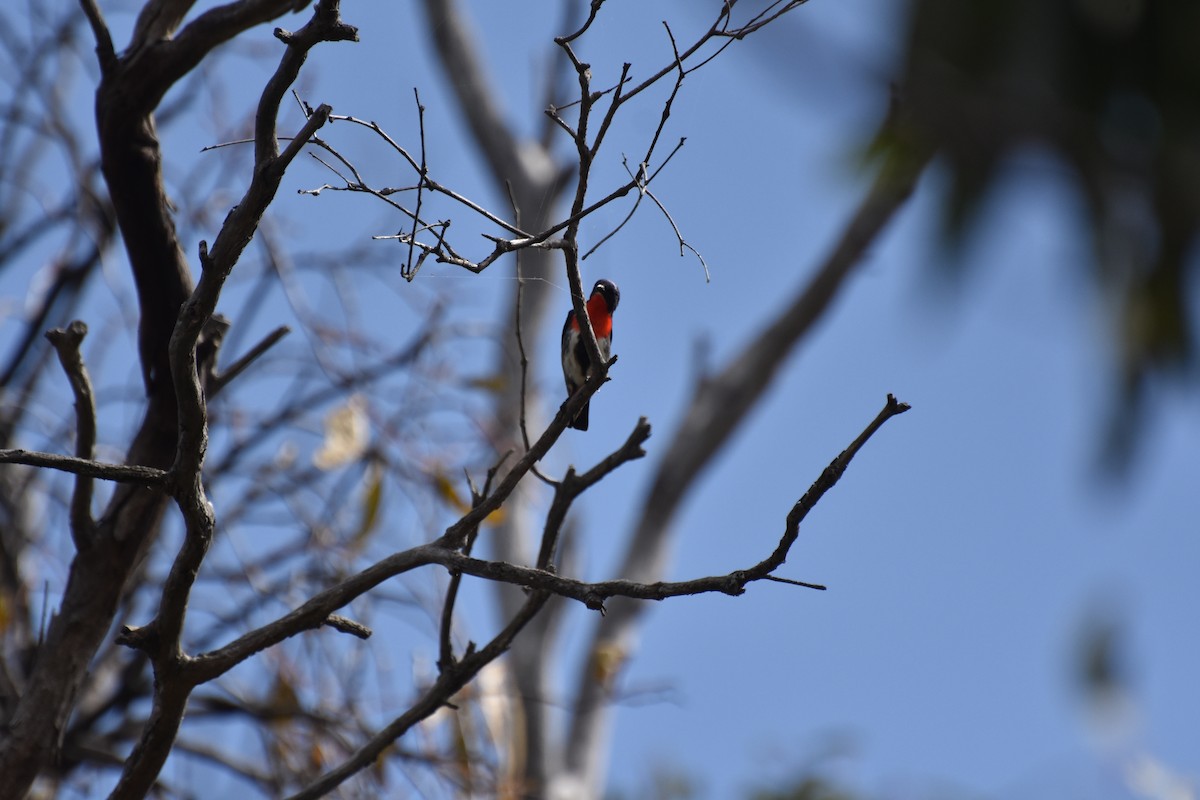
(610, 292)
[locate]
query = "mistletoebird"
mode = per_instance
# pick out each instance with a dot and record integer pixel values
(575, 362)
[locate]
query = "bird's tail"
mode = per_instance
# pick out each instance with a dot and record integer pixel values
(580, 423)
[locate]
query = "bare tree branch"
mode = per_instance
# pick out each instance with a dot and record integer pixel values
(120, 473)
(157, 21)
(454, 674)
(66, 344)
(154, 61)
(235, 369)
(467, 75)
(346, 625)
(718, 408)
(572, 485)
(104, 46)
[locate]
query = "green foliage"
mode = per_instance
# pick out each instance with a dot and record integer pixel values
(1110, 87)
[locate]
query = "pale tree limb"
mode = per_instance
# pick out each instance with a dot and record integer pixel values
(459, 58)
(459, 55)
(719, 406)
(527, 171)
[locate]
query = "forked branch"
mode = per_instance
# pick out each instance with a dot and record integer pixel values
(456, 673)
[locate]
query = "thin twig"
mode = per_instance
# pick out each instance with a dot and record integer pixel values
(679, 236)
(789, 581)
(118, 473)
(346, 625)
(408, 273)
(593, 8)
(429, 182)
(221, 380)
(524, 357)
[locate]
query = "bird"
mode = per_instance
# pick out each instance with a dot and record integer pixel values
(575, 362)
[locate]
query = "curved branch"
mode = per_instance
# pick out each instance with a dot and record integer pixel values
(155, 62)
(459, 55)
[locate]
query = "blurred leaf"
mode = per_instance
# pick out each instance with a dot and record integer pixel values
(371, 501)
(461, 748)
(316, 756)
(446, 491)
(606, 663)
(347, 433)
(282, 701)
(444, 487)
(494, 384)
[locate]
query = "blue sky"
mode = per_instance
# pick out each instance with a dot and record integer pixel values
(970, 541)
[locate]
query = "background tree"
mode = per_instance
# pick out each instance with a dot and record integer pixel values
(1108, 89)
